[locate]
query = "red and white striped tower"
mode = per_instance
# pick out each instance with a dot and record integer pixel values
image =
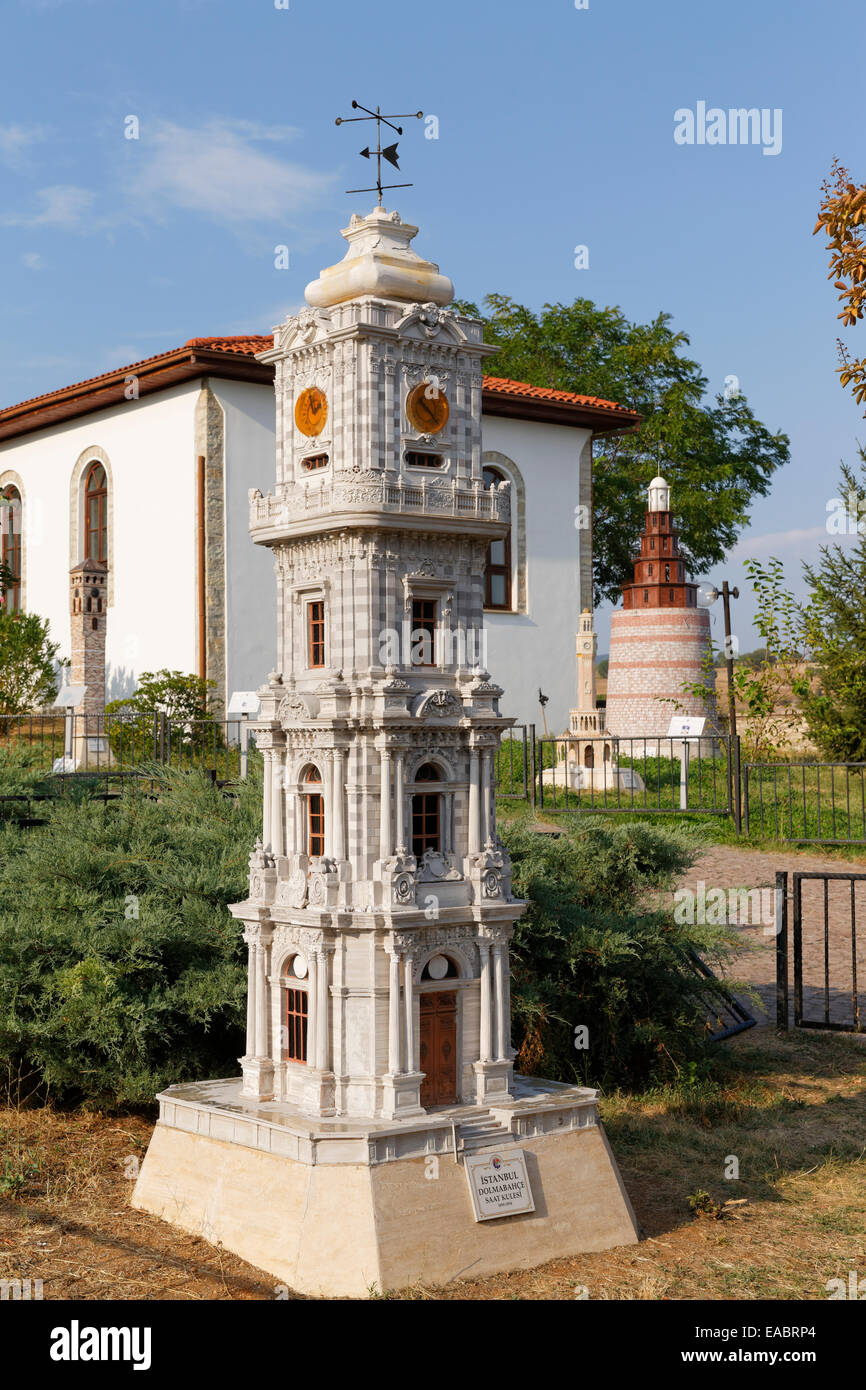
(659, 638)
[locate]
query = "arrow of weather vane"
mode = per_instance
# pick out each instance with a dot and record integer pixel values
(389, 153)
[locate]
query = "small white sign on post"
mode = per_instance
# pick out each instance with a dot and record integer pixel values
(688, 729)
(243, 702)
(687, 726)
(499, 1184)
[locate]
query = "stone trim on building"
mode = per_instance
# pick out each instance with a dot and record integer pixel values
(9, 478)
(519, 585)
(92, 454)
(585, 488)
(210, 445)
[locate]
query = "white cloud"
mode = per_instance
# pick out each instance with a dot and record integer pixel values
(62, 205)
(216, 170)
(32, 260)
(15, 141)
(781, 542)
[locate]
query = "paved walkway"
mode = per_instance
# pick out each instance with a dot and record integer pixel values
(732, 867)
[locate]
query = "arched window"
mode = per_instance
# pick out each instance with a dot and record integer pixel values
(426, 828)
(96, 514)
(497, 575)
(315, 827)
(10, 543)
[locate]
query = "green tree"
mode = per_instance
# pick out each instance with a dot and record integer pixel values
(715, 454)
(834, 630)
(28, 660)
(181, 699)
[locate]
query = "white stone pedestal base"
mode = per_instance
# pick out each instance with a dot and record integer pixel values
(345, 1208)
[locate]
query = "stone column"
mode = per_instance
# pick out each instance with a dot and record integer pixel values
(267, 757)
(486, 1002)
(447, 826)
(323, 1057)
(503, 1022)
(485, 796)
(409, 1013)
(394, 1012)
(261, 1001)
(252, 980)
(385, 839)
(474, 809)
(400, 803)
(339, 807)
(278, 841)
(312, 1002)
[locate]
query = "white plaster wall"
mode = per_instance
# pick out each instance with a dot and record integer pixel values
(537, 648)
(251, 593)
(152, 624)
(150, 445)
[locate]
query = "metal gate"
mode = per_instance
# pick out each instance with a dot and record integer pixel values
(828, 957)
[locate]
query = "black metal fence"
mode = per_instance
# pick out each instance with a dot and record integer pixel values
(800, 802)
(114, 744)
(828, 958)
(605, 773)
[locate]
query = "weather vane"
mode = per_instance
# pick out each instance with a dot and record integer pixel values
(389, 152)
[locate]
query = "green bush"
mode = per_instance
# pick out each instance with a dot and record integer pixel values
(187, 733)
(591, 952)
(121, 971)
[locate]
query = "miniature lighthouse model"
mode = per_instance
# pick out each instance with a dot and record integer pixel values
(378, 1134)
(660, 637)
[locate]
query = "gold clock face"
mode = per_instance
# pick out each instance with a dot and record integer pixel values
(311, 411)
(427, 407)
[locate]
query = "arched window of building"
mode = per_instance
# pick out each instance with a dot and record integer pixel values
(497, 575)
(10, 543)
(426, 820)
(295, 1009)
(315, 817)
(96, 514)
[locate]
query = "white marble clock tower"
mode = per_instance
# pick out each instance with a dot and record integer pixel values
(380, 907)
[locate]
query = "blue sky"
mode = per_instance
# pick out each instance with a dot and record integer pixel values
(556, 129)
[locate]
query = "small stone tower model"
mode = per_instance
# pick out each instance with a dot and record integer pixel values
(378, 1042)
(659, 638)
(88, 607)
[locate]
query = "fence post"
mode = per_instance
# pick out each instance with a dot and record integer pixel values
(736, 778)
(781, 949)
(532, 761)
(746, 798)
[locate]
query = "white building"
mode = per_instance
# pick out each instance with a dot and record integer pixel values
(149, 468)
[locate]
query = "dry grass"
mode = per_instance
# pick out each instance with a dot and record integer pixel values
(790, 1108)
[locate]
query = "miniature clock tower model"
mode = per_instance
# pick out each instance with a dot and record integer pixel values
(378, 1074)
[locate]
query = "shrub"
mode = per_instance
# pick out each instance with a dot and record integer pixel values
(188, 729)
(27, 662)
(121, 971)
(593, 951)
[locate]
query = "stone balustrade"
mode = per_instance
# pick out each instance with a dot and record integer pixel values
(390, 494)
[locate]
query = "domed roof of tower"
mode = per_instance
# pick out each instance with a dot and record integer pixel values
(380, 261)
(659, 494)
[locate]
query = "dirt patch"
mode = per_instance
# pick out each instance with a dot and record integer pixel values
(789, 1109)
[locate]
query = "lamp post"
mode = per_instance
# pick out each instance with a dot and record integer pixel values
(727, 593)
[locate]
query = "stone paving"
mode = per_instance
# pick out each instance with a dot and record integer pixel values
(731, 867)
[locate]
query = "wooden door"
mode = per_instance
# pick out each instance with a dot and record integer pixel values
(439, 1047)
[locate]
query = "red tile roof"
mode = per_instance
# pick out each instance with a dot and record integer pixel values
(234, 356)
(502, 385)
